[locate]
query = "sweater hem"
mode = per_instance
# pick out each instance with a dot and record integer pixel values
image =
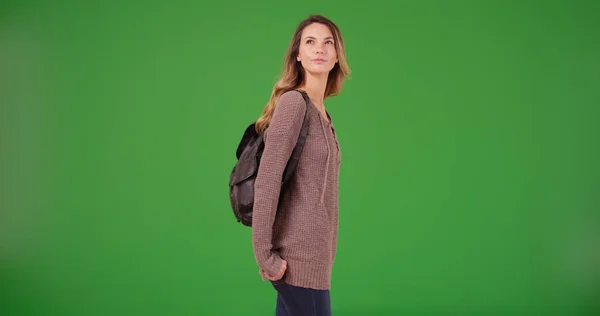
(308, 275)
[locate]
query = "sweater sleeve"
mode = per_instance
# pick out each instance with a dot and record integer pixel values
(280, 139)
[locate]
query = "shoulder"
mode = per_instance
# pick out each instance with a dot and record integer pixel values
(290, 109)
(291, 96)
(291, 101)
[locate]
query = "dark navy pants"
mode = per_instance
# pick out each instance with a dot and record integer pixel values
(299, 301)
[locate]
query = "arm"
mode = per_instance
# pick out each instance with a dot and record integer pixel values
(282, 136)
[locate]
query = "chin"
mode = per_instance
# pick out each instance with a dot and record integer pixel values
(319, 70)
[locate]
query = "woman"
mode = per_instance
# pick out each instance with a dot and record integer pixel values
(294, 231)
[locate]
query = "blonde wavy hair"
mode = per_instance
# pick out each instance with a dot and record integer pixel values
(292, 75)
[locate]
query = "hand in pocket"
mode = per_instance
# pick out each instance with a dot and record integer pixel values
(265, 276)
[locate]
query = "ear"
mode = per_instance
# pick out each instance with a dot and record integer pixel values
(298, 57)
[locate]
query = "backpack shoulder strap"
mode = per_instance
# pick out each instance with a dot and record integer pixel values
(293, 162)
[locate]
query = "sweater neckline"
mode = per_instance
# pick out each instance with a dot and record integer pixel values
(327, 120)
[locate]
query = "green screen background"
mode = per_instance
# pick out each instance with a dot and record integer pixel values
(469, 134)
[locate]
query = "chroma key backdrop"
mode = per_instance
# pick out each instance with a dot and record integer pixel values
(469, 133)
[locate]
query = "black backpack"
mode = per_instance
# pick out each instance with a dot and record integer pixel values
(243, 175)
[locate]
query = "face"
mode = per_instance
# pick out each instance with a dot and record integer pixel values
(317, 49)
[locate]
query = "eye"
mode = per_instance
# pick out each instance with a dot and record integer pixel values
(329, 42)
(309, 41)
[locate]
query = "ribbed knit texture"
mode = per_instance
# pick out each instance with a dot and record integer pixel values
(301, 226)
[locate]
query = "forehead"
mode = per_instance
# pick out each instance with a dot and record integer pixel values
(317, 30)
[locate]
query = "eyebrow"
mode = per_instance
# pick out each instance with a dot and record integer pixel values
(328, 37)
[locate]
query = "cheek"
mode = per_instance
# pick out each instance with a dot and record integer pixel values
(302, 54)
(333, 53)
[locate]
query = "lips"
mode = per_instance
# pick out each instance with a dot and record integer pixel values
(319, 60)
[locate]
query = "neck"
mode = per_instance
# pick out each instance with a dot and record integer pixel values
(315, 88)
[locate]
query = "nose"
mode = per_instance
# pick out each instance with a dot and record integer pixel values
(319, 49)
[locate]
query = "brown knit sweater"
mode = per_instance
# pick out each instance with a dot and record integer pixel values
(302, 226)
